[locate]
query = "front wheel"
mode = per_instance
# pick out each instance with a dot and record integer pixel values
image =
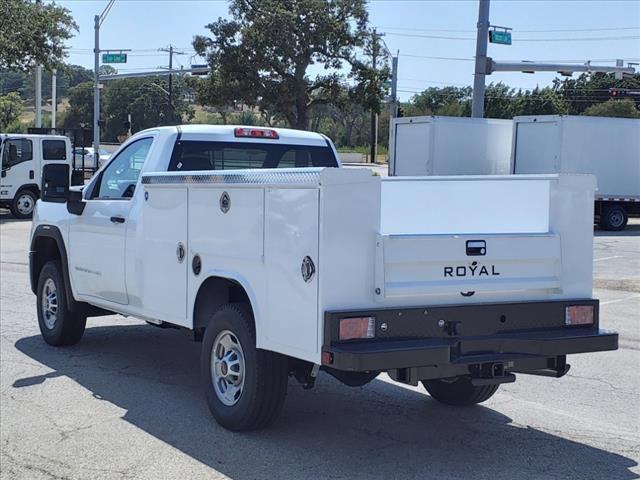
(245, 387)
(58, 325)
(459, 391)
(23, 204)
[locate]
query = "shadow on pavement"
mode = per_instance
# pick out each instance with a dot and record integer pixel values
(6, 217)
(631, 230)
(380, 430)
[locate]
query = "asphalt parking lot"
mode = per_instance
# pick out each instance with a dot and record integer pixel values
(126, 403)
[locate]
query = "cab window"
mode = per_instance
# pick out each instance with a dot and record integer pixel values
(118, 180)
(16, 151)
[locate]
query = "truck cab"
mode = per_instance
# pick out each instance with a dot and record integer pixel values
(255, 242)
(23, 157)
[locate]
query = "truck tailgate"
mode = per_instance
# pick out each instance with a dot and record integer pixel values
(504, 238)
(410, 265)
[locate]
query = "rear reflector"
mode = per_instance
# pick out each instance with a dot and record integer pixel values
(578, 315)
(357, 327)
(256, 133)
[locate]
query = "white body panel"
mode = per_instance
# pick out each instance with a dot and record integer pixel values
(374, 243)
(28, 173)
(608, 148)
(450, 146)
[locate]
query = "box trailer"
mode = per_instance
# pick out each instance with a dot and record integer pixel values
(450, 146)
(608, 148)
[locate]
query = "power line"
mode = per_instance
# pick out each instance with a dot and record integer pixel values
(559, 30)
(541, 40)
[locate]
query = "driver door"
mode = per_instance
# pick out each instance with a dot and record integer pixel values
(18, 165)
(97, 237)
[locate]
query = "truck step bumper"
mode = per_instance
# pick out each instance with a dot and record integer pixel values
(480, 336)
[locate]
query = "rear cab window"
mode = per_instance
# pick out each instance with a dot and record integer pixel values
(195, 155)
(54, 150)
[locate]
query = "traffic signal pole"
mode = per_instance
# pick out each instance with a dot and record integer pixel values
(477, 103)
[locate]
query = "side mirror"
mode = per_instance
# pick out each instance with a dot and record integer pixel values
(55, 183)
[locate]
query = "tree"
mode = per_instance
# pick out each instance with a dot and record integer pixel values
(80, 111)
(107, 70)
(33, 33)
(614, 108)
(146, 100)
(10, 111)
(441, 101)
(261, 57)
(590, 89)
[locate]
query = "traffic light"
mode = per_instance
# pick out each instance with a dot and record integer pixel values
(400, 112)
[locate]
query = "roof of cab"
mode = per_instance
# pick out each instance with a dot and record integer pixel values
(33, 136)
(225, 133)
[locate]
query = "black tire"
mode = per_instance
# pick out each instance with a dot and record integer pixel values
(265, 373)
(23, 204)
(68, 327)
(613, 217)
(459, 391)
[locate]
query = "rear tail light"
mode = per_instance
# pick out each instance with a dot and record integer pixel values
(357, 327)
(256, 133)
(579, 315)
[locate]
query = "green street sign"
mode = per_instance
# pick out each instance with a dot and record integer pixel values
(114, 58)
(503, 38)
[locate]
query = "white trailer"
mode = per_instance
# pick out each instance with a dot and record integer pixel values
(450, 146)
(608, 148)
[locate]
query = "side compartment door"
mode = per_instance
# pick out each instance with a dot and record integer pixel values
(537, 147)
(163, 250)
(292, 266)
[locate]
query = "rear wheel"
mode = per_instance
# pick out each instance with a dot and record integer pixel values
(459, 391)
(23, 204)
(58, 325)
(613, 217)
(245, 386)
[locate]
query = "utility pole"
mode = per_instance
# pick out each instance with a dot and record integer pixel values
(374, 115)
(54, 98)
(393, 104)
(96, 85)
(477, 105)
(39, 96)
(172, 51)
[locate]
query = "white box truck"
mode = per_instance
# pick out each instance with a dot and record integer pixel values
(23, 156)
(283, 264)
(608, 148)
(450, 146)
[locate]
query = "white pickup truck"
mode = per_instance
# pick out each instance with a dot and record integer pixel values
(284, 264)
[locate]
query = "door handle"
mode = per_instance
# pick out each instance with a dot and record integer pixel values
(117, 219)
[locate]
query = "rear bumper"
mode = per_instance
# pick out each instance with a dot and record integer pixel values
(529, 345)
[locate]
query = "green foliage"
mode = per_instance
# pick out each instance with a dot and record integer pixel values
(260, 57)
(590, 89)
(614, 108)
(24, 82)
(33, 33)
(80, 111)
(10, 111)
(146, 100)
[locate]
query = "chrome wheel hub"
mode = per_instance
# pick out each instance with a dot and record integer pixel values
(616, 219)
(227, 368)
(49, 304)
(25, 204)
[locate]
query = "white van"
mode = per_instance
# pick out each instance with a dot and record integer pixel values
(23, 157)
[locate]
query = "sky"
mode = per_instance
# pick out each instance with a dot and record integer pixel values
(543, 30)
